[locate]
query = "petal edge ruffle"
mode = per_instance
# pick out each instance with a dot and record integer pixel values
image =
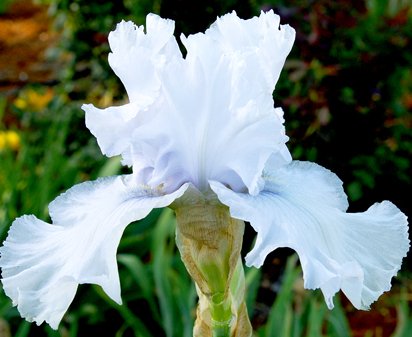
(43, 264)
(137, 57)
(302, 206)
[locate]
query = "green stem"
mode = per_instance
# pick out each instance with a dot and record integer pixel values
(221, 330)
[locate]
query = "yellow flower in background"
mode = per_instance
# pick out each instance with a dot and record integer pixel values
(34, 99)
(9, 140)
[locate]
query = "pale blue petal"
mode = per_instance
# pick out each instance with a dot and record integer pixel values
(42, 264)
(302, 206)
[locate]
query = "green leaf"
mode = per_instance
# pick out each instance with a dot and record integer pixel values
(280, 316)
(23, 330)
(252, 279)
(404, 326)
(338, 325)
(132, 320)
(316, 318)
(162, 263)
(111, 167)
(140, 275)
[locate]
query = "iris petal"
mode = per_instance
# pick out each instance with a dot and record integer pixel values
(113, 128)
(194, 118)
(137, 57)
(302, 206)
(42, 264)
(263, 37)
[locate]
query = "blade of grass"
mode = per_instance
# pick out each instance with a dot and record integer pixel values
(316, 318)
(404, 326)
(252, 280)
(161, 263)
(142, 278)
(111, 167)
(184, 294)
(338, 325)
(133, 321)
(74, 328)
(52, 333)
(280, 317)
(23, 330)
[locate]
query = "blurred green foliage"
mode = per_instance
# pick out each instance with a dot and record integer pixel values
(347, 95)
(4, 5)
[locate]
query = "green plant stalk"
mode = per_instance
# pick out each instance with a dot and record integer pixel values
(209, 241)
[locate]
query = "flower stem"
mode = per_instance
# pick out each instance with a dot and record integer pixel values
(209, 241)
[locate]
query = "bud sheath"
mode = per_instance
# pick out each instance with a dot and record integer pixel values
(209, 241)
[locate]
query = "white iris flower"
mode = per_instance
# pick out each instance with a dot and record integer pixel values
(203, 123)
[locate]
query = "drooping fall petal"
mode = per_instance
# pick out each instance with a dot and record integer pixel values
(42, 264)
(303, 206)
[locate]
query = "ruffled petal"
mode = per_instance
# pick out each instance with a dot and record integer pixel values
(42, 264)
(137, 57)
(216, 101)
(113, 127)
(213, 115)
(263, 37)
(207, 106)
(302, 206)
(237, 63)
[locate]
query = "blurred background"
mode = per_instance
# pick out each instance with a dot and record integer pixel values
(346, 90)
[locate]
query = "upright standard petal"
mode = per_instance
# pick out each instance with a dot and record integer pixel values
(42, 264)
(263, 37)
(254, 52)
(303, 207)
(212, 114)
(207, 108)
(137, 57)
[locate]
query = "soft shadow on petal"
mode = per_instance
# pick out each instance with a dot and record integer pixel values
(137, 57)
(223, 104)
(193, 119)
(42, 264)
(238, 62)
(303, 207)
(113, 127)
